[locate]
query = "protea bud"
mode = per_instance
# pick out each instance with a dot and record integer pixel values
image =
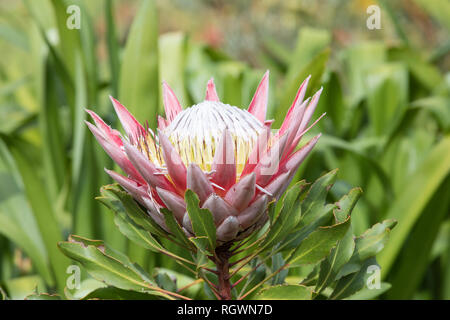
(228, 156)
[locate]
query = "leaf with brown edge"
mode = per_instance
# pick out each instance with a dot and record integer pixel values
(318, 244)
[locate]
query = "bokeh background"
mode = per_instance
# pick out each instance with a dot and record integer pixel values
(386, 94)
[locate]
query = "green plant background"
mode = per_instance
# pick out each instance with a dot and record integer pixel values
(386, 94)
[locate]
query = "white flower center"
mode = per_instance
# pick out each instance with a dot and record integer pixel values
(195, 132)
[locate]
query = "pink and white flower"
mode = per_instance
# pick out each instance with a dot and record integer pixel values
(228, 156)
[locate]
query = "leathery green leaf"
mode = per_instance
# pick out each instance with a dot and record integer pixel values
(318, 244)
(369, 294)
(202, 220)
(316, 195)
(368, 245)
(288, 217)
(106, 268)
(201, 257)
(129, 228)
(133, 210)
(354, 282)
(175, 228)
(344, 249)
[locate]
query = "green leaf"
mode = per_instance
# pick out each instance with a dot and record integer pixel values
(201, 257)
(368, 245)
(358, 59)
(438, 106)
(20, 287)
(112, 293)
(315, 212)
(426, 73)
(129, 227)
(134, 232)
(165, 281)
(42, 296)
(17, 221)
(332, 95)
(315, 68)
(43, 212)
(387, 95)
(340, 255)
(139, 78)
(272, 211)
(132, 208)
(231, 74)
(172, 60)
(202, 220)
(285, 292)
(53, 150)
(278, 264)
(322, 215)
(175, 228)
(354, 282)
(113, 46)
(316, 196)
(415, 257)
(370, 294)
(310, 42)
(355, 150)
(280, 55)
(288, 217)
(373, 240)
(318, 244)
(410, 203)
(107, 268)
(346, 204)
(185, 284)
(85, 287)
(69, 39)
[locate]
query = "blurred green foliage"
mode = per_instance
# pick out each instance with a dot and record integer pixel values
(387, 125)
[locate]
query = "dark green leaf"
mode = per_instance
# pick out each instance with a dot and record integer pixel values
(175, 228)
(288, 217)
(132, 208)
(318, 244)
(106, 268)
(354, 282)
(410, 203)
(340, 255)
(202, 220)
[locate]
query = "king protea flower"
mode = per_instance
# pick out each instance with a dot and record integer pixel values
(226, 155)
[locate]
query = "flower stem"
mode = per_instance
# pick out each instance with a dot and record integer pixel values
(222, 262)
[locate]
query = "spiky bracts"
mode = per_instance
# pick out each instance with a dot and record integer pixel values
(228, 156)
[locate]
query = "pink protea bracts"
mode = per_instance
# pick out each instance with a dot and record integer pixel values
(228, 156)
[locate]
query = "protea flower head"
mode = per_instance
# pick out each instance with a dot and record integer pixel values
(226, 155)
